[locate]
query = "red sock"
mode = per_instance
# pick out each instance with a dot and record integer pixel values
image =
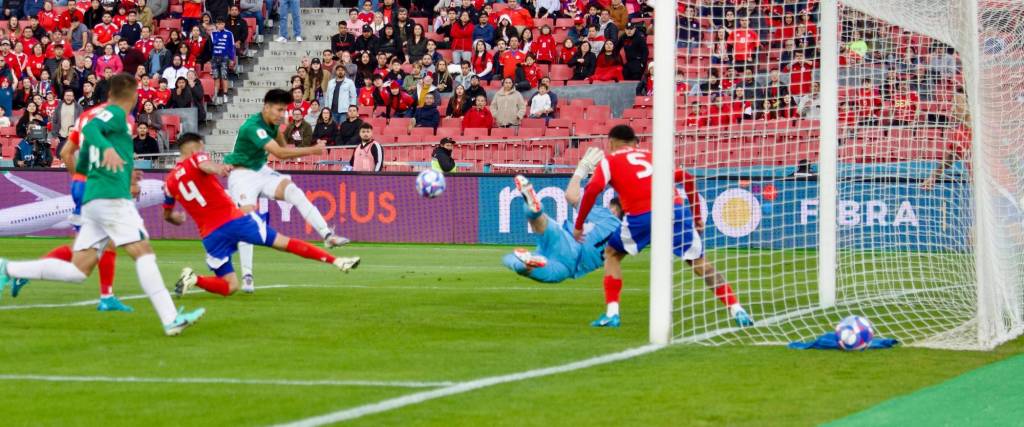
(306, 250)
(725, 294)
(612, 289)
(60, 252)
(106, 267)
(214, 284)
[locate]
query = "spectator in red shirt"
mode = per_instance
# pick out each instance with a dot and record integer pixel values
(478, 117)
(462, 39)
(609, 64)
(904, 105)
(162, 94)
(868, 104)
(545, 48)
(528, 74)
(785, 31)
(49, 19)
(145, 43)
(34, 61)
(695, 119)
(567, 51)
(482, 60)
(511, 58)
(103, 34)
(801, 75)
(744, 42)
(397, 103)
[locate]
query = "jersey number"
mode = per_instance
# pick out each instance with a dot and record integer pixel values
(189, 192)
(94, 157)
(637, 159)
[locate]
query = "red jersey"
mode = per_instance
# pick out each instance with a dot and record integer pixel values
(104, 32)
(628, 171)
(145, 46)
(200, 193)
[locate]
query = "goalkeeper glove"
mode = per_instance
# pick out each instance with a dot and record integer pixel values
(589, 162)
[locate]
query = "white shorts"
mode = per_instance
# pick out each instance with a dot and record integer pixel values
(246, 185)
(105, 220)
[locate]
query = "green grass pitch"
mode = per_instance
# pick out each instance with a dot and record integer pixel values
(410, 313)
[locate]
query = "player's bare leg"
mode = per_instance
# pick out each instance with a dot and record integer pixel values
(152, 284)
(723, 291)
(245, 253)
(107, 266)
(291, 193)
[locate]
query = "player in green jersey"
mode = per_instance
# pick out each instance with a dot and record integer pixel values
(251, 178)
(109, 214)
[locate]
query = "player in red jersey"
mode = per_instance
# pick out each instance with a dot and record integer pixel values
(628, 171)
(193, 182)
(107, 262)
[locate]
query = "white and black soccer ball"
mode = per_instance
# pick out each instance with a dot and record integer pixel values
(430, 183)
(854, 333)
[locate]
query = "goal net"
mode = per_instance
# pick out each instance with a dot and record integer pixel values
(859, 157)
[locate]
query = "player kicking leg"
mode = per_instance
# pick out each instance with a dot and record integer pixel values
(108, 213)
(628, 170)
(193, 182)
(252, 178)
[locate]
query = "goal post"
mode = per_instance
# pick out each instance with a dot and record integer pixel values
(862, 157)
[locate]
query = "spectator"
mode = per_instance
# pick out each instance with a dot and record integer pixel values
(32, 7)
(479, 116)
(809, 105)
(526, 41)
(504, 31)
(787, 108)
(695, 117)
(417, 44)
(774, 89)
(6, 98)
(64, 118)
(131, 58)
(423, 88)
(744, 42)
(340, 94)
(149, 116)
(248, 9)
(160, 97)
(369, 155)
(131, 31)
(224, 57)
(29, 116)
(286, 7)
(511, 58)
(545, 48)
(88, 98)
(315, 81)
(441, 158)
(343, 40)
(740, 108)
(390, 44)
(313, 113)
(474, 90)
(482, 61)
(688, 30)
(298, 132)
(159, 58)
(442, 78)
(634, 46)
(801, 75)
(175, 71)
(181, 96)
(578, 32)
(238, 28)
(326, 129)
(583, 63)
(566, 52)
(607, 27)
(298, 102)
(541, 105)
(33, 153)
(608, 66)
(508, 105)
(528, 74)
(905, 103)
(462, 38)
(348, 130)
(108, 61)
(426, 115)
(458, 104)
(144, 144)
(749, 84)
(354, 24)
(369, 94)
(367, 42)
(618, 13)
(484, 31)
(397, 103)
(869, 104)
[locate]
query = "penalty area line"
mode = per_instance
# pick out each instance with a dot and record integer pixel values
(468, 386)
(242, 381)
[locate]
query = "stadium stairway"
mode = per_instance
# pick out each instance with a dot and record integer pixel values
(271, 67)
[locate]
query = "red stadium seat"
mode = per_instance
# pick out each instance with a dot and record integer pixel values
(564, 23)
(451, 122)
(562, 123)
(424, 134)
(560, 72)
(598, 113)
(636, 113)
(208, 88)
(448, 132)
(172, 125)
(402, 122)
(478, 133)
(531, 123)
(394, 131)
(526, 133)
(505, 133)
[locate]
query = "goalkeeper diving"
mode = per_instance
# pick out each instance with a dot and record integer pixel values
(559, 256)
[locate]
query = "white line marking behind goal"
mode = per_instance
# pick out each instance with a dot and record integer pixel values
(423, 396)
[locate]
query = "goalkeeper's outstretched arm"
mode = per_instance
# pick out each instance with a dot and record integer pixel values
(585, 167)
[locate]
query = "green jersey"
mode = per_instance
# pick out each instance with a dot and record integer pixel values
(254, 134)
(108, 128)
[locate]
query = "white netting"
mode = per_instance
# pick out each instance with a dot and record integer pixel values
(909, 76)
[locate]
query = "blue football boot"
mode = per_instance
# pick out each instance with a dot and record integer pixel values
(606, 321)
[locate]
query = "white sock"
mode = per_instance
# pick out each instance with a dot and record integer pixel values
(734, 308)
(46, 269)
(295, 196)
(613, 309)
(245, 257)
(153, 285)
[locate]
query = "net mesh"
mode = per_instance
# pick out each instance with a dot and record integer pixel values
(909, 188)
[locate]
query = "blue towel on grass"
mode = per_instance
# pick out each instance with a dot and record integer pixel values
(829, 341)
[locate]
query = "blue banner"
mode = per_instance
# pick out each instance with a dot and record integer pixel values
(771, 214)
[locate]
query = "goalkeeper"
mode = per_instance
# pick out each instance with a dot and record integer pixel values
(558, 255)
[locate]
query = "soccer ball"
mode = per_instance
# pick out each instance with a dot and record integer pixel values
(854, 333)
(430, 183)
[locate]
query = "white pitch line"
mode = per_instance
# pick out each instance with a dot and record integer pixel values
(423, 396)
(538, 288)
(301, 383)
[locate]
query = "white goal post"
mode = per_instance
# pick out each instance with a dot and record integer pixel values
(892, 186)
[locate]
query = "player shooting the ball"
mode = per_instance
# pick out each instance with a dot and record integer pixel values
(193, 182)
